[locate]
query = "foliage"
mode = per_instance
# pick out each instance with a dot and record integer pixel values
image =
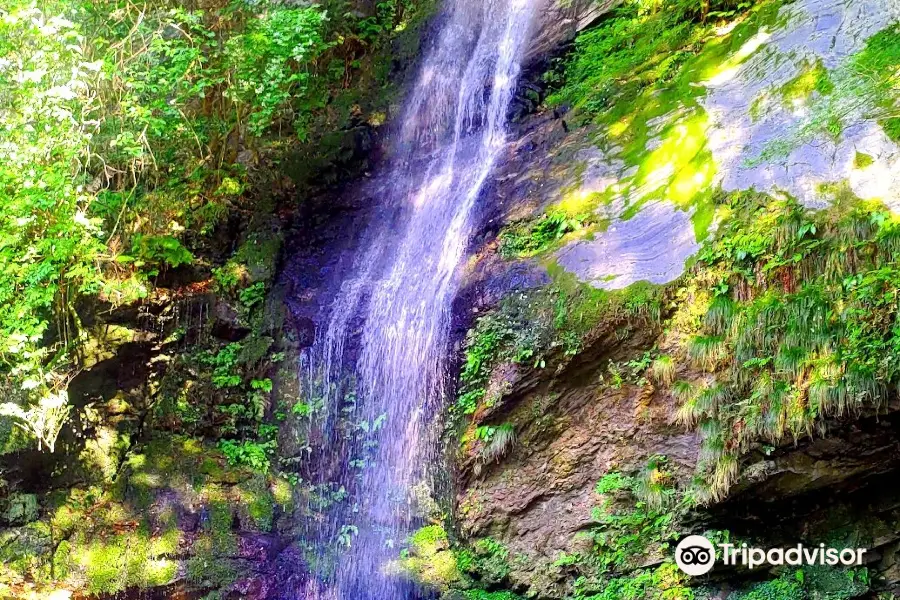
(810, 582)
(642, 46)
(609, 67)
(530, 327)
(636, 518)
(104, 540)
(878, 65)
(530, 238)
(254, 455)
(265, 76)
(224, 364)
(627, 525)
(663, 370)
(805, 328)
(483, 595)
(786, 587)
(154, 252)
(613, 482)
(133, 130)
(49, 242)
(43, 420)
(665, 582)
(497, 443)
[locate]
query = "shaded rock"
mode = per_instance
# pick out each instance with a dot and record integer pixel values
(20, 509)
(227, 323)
(571, 429)
(305, 330)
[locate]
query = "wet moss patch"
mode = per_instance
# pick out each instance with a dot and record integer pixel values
(173, 509)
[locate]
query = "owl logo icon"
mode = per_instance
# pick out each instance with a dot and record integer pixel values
(695, 555)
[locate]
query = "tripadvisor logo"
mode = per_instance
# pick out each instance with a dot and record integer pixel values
(696, 555)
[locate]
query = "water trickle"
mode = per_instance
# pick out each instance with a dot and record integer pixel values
(391, 320)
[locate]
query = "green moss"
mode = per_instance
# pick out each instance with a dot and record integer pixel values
(119, 561)
(877, 65)
(813, 78)
(103, 453)
(61, 560)
(535, 326)
(428, 540)
(110, 539)
(12, 438)
(23, 551)
(210, 567)
(283, 494)
(862, 160)
(430, 561)
(631, 53)
(257, 497)
(483, 595)
(108, 546)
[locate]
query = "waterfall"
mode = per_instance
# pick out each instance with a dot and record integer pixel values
(394, 307)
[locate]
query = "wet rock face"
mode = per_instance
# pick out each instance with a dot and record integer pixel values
(753, 130)
(571, 428)
(653, 246)
(750, 116)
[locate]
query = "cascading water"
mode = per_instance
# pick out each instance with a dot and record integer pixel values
(404, 281)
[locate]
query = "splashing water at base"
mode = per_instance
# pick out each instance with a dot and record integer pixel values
(404, 283)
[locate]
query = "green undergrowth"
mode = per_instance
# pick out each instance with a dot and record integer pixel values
(801, 325)
(625, 553)
(106, 539)
(532, 237)
(635, 522)
(222, 389)
(433, 561)
(483, 595)
(641, 50)
(809, 583)
(535, 327)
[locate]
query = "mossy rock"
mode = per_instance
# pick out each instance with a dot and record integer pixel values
(127, 535)
(256, 510)
(20, 509)
(431, 562)
(24, 550)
